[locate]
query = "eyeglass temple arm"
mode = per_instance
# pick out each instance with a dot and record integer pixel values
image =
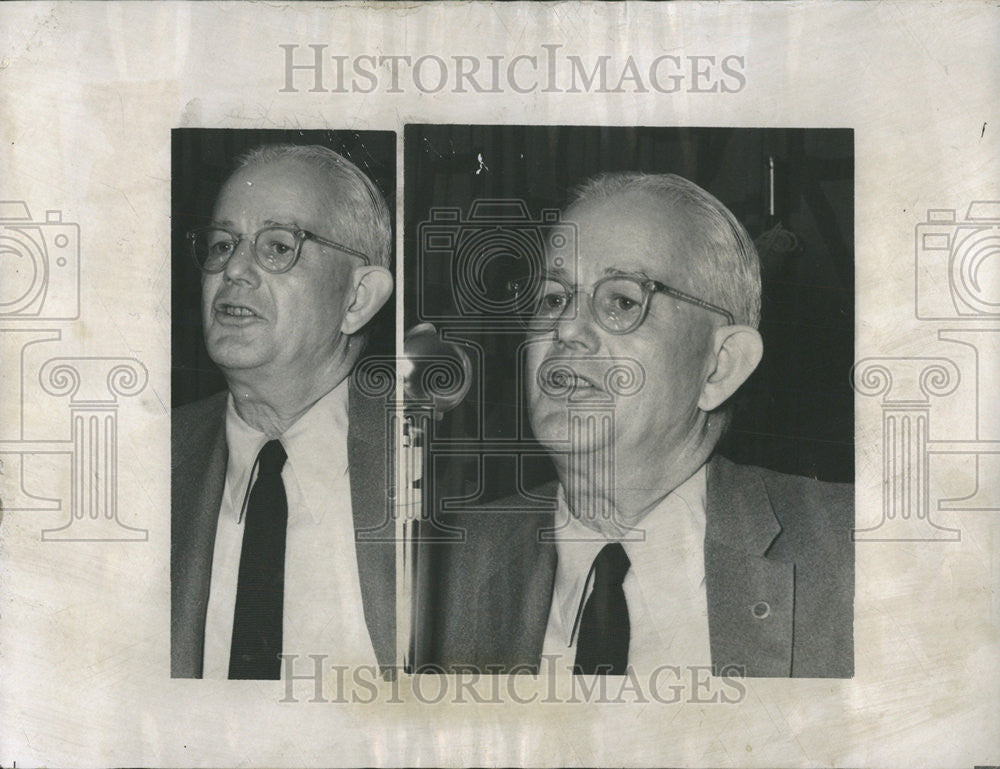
(665, 289)
(338, 246)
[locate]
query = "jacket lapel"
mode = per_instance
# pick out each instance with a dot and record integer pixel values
(529, 637)
(521, 580)
(750, 598)
(370, 460)
(198, 480)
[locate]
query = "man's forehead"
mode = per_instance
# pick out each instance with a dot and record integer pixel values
(283, 191)
(629, 232)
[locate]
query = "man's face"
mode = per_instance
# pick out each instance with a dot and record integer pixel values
(259, 324)
(627, 234)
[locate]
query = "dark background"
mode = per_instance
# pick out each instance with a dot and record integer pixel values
(795, 413)
(201, 160)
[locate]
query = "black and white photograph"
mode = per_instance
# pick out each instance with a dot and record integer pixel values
(499, 384)
(659, 404)
(282, 285)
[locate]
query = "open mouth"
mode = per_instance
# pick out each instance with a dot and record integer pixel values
(591, 378)
(234, 311)
(581, 383)
(228, 313)
(562, 379)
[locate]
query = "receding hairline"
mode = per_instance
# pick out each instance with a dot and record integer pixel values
(721, 257)
(655, 201)
(355, 208)
(329, 180)
(653, 210)
(328, 188)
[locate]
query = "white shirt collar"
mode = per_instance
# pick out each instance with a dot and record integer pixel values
(316, 445)
(671, 530)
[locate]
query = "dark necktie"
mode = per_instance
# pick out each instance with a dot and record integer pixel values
(260, 589)
(603, 636)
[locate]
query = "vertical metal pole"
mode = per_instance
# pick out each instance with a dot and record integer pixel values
(409, 509)
(404, 494)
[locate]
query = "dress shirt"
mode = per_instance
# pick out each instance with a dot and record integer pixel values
(323, 611)
(664, 587)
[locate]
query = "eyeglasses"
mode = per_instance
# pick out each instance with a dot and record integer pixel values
(619, 303)
(276, 249)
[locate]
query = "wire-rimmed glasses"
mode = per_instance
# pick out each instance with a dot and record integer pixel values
(276, 249)
(619, 303)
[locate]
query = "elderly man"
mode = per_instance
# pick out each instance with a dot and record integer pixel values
(272, 477)
(659, 552)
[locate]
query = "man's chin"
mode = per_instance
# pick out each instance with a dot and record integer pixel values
(561, 430)
(231, 355)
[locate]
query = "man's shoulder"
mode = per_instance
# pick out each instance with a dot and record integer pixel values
(197, 423)
(212, 407)
(513, 531)
(807, 490)
(815, 519)
(792, 497)
(522, 513)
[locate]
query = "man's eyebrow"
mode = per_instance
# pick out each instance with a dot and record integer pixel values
(626, 273)
(229, 223)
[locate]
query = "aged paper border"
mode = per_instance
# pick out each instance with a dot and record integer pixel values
(91, 92)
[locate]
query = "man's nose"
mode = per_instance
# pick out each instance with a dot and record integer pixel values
(241, 267)
(577, 328)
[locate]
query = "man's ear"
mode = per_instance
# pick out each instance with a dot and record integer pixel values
(738, 350)
(372, 287)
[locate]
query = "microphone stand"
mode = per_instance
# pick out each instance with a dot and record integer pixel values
(437, 375)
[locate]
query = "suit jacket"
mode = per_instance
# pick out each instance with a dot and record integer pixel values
(198, 475)
(779, 566)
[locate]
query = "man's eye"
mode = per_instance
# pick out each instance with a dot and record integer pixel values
(276, 248)
(553, 301)
(623, 303)
(220, 248)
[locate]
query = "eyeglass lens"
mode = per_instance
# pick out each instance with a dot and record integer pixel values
(616, 303)
(274, 248)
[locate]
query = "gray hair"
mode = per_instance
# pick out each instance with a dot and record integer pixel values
(724, 265)
(366, 224)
